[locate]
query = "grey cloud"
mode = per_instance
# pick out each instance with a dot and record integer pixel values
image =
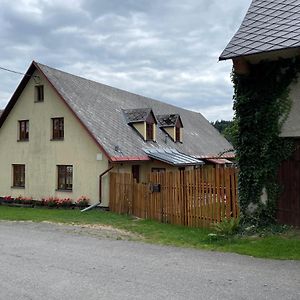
(163, 49)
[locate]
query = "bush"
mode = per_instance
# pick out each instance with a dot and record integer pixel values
(82, 201)
(24, 200)
(227, 227)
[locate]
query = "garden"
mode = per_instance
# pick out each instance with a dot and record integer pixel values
(50, 202)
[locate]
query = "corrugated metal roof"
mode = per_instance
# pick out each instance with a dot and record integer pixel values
(173, 157)
(269, 25)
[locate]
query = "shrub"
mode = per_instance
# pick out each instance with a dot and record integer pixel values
(227, 227)
(66, 202)
(24, 200)
(82, 201)
(8, 199)
(50, 202)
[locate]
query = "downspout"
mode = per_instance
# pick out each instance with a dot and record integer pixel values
(100, 191)
(100, 183)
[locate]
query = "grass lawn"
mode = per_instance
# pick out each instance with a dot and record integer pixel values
(279, 246)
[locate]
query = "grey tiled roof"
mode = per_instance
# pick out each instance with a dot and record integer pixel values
(100, 108)
(269, 25)
(136, 115)
(167, 120)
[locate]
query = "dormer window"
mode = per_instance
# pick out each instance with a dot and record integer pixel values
(177, 134)
(39, 93)
(149, 131)
(143, 121)
(172, 126)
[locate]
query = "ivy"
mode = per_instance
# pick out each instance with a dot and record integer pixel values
(262, 104)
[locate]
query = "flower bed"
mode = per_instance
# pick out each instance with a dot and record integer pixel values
(50, 202)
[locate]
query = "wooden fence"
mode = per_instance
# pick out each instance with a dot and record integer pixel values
(194, 198)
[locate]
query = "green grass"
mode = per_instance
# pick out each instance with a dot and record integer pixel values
(279, 246)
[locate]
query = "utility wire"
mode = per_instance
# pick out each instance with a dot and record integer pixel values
(16, 72)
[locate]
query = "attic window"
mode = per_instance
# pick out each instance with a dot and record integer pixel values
(143, 121)
(172, 125)
(149, 131)
(177, 134)
(39, 93)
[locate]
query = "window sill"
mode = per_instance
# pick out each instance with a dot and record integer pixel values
(61, 139)
(17, 187)
(64, 191)
(23, 140)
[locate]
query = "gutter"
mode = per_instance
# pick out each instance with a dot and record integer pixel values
(100, 191)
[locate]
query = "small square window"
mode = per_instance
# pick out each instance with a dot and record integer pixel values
(24, 130)
(18, 175)
(65, 177)
(39, 93)
(58, 128)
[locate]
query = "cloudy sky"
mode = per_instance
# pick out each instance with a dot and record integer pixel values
(164, 49)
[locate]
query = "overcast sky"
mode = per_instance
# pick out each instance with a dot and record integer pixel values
(164, 49)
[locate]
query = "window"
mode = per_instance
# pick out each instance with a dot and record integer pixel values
(65, 177)
(149, 131)
(19, 176)
(136, 173)
(39, 93)
(57, 128)
(24, 130)
(177, 134)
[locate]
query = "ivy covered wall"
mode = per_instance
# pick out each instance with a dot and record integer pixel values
(262, 104)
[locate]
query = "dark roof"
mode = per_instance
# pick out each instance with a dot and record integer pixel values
(167, 120)
(269, 25)
(1, 111)
(137, 115)
(100, 109)
(173, 157)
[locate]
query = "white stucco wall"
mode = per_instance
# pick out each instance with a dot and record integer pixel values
(41, 155)
(291, 127)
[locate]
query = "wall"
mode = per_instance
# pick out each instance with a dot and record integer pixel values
(145, 168)
(291, 127)
(41, 156)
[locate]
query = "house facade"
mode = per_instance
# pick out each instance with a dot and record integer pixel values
(271, 31)
(61, 135)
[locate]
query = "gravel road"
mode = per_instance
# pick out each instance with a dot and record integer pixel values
(50, 261)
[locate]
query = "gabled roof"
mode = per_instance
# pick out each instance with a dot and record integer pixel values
(269, 25)
(99, 108)
(138, 115)
(169, 120)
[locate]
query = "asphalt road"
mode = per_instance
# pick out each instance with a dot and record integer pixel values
(46, 261)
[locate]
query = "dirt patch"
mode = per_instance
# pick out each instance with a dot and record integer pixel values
(97, 230)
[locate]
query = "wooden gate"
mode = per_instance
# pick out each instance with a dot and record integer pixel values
(289, 202)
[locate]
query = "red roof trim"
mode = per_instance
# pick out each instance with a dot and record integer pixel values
(129, 158)
(216, 156)
(73, 112)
